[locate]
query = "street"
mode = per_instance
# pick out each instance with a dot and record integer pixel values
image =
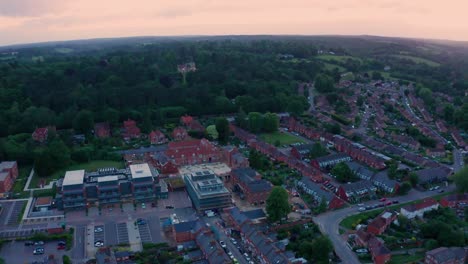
(458, 161)
(329, 222)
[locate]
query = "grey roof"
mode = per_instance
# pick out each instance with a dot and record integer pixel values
(185, 226)
(360, 169)
(316, 188)
(444, 254)
(7, 165)
(439, 173)
(212, 250)
(255, 214)
(332, 157)
(247, 176)
(359, 185)
(383, 178)
(238, 216)
(195, 254)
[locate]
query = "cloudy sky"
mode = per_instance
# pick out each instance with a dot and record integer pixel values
(24, 21)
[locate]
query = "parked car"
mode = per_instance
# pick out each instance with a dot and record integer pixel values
(169, 207)
(38, 251)
(140, 221)
(99, 243)
(98, 229)
(383, 199)
(388, 203)
(143, 206)
(39, 243)
(362, 250)
(361, 209)
(440, 191)
(60, 247)
(395, 201)
(223, 245)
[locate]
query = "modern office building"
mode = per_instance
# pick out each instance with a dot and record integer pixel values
(109, 186)
(207, 191)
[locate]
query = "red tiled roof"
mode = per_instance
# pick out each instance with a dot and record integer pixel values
(424, 204)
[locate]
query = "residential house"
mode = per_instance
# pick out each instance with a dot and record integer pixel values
(191, 152)
(186, 231)
(444, 255)
(8, 175)
(40, 134)
(433, 175)
(319, 194)
(179, 134)
(254, 188)
(455, 200)
(156, 137)
(301, 151)
(356, 190)
(130, 130)
(384, 183)
(361, 171)
(417, 210)
(379, 252)
(330, 160)
(102, 130)
(234, 159)
(211, 249)
(379, 224)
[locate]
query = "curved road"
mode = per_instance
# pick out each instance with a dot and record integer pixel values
(329, 222)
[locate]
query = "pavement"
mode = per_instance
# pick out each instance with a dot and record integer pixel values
(458, 161)
(329, 222)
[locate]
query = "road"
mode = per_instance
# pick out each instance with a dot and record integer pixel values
(364, 121)
(213, 221)
(329, 223)
(311, 99)
(458, 162)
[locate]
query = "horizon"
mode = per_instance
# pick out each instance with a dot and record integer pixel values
(37, 21)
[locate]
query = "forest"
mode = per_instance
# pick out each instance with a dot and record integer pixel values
(139, 79)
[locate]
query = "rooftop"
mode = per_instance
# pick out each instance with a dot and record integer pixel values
(140, 171)
(108, 178)
(74, 177)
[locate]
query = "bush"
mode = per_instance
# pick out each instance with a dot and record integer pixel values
(66, 259)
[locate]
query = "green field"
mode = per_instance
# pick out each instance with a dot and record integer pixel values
(329, 57)
(331, 67)
(23, 173)
(90, 166)
(64, 50)
(403, 259)
(283, 138)
(419, 60)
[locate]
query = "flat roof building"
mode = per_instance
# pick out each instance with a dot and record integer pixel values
(207, 191)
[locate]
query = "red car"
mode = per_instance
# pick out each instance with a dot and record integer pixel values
(383, 199)
(60, 247)
(389, 203)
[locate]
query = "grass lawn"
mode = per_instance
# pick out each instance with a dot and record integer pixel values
(419, 60)
(23, 173)
(401, 259)
(283, 138)
(90, 166)
(331, 67)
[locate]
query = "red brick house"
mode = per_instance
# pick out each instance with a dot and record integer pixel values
(161, 162)
(381, 222)
(40, 134)
(186, 120)
(8, 175)
(185, 231)
(130, 130)
(234, 159)
(255, 189)
(444, 255)
(179, 133)
(380, 253)
(190, 152)
(102, 130)
(157, 137)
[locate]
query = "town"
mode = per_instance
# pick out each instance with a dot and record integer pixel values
(352, 171)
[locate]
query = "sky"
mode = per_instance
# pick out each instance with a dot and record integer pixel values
(27, 21)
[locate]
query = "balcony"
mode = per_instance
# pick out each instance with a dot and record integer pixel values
(108, 195)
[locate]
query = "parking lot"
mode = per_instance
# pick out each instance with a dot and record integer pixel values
(17, 253)
(11, 212)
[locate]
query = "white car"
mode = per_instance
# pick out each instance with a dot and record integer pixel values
(223, 245)
(143, 206)
(361, 209)
(98, 230)
(99, 243)
(361, 250)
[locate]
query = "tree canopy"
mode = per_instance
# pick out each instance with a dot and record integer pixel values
(277, 204)
(461, 180)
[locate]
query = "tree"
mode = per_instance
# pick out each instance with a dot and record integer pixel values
(324, 83)
(431, 244)
(222, 126)
(84, 121)
(322, 247)
(277, 204)
(461, 180)
(392, 169)
(343, 173)
(414, 179)
(317, 150)
(270, 122)
(66, 259)
(255, 160)
(377, 76)
(212, 132)
(255, 122)
(44, 165)
(405, 187)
